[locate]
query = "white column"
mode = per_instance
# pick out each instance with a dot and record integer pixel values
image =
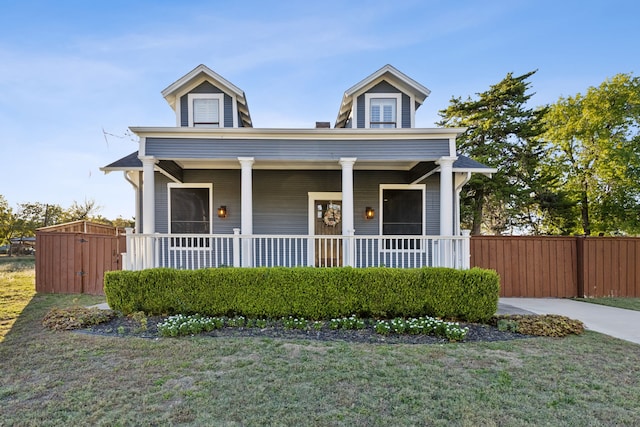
(246, 208)
(148, 195)
(446, 195)
(148, 209)
(347, 206)
(446, 211)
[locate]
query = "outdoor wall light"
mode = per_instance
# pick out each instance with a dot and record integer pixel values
(222, 212)
(369, 212)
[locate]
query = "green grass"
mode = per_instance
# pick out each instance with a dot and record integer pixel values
(17, 287)
(64, 378)
(628, 303)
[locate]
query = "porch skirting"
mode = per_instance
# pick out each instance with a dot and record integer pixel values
(193, 251)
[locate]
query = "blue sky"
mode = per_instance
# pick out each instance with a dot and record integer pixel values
(69, 69)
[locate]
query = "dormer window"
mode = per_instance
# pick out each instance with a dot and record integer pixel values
(205, 110)
(383, 110)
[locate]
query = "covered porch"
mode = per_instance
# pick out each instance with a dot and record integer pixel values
(213, 197)
(193, 251)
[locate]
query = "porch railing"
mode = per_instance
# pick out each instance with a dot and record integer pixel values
(192, 251)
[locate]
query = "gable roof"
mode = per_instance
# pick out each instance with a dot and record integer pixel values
(203, 73)
(388, 73)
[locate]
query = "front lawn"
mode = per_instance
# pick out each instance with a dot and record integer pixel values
(71, 378)
(628, 303)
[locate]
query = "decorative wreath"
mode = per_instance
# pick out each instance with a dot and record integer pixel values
(332, 215)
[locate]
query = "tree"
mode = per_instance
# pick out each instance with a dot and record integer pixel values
(594, 142)
(502, 133)
(35, 215)
(85, 211)
(7, 221)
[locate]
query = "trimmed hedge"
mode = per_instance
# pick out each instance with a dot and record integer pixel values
(312, 293)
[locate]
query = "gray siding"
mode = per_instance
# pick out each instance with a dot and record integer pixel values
(201, 148)
(281, 200)
(228, 111)
(367, 193)
(433, 205)
(361, 111)
(226, 191)
(406, 111)
(206, 87)
(162, 203)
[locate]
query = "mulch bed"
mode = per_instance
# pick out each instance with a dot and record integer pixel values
(123, 326)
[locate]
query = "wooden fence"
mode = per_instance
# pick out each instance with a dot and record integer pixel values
(564, 267)
(76, 262)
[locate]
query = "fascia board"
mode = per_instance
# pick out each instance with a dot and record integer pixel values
(407, 81)
(271, 133)
(178, 84)
(106, 170)
(484, 171)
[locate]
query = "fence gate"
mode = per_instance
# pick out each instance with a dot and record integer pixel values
(76, 262)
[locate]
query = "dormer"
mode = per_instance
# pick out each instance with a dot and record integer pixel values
(385, 99)
(203, 98)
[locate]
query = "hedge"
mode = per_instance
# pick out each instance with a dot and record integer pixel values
(312, 293)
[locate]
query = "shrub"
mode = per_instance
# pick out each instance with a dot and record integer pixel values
(66, 319)
(306, 292)
(548, 325)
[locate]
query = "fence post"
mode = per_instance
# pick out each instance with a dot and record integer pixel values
(580, 266)
(236, 247)
(466, 250)
(348, 246)
(126, 259)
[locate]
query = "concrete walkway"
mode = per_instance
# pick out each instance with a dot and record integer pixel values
(616, 322)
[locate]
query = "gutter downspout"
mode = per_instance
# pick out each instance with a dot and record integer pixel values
(458, 190)
(136, 188)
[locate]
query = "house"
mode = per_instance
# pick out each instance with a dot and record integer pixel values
(374, 190)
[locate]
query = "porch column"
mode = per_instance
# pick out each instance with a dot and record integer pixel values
(148, 195)
(147, 255)
(446, 210)
(347, 206)
(246, 207)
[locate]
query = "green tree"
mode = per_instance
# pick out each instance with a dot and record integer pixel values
(81, 211)
(35, 215)
(7, 221)
(503, 133)
(594, 142)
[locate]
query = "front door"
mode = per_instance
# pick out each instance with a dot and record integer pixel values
(328, 222)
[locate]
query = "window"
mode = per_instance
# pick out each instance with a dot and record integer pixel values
(402, 214)
(190, 209)
(206, 110)
(382, 110)
(383, 113)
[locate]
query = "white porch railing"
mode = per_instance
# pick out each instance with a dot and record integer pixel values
(192, 251)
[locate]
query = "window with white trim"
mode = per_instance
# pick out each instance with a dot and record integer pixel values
(383, 110)
(190, 208)
(206, 110)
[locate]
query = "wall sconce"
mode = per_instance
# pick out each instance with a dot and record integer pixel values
(369, 212)
(222, 212)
